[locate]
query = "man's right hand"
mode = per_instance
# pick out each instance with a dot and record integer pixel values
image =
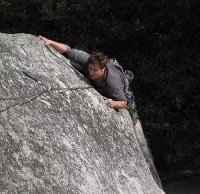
(46, 40)
(61, 48)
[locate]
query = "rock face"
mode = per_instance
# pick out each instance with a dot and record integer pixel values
(57, 134)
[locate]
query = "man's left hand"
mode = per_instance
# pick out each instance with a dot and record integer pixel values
(110, 103)
(116, 104)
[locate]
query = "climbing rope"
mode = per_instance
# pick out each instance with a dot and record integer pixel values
(45, 86)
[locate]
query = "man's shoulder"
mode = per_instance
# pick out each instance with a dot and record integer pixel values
(114, 77)
(78, 56)
(115, 66)
(114, 70)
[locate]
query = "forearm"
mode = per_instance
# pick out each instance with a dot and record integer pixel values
(116, 104)
(119, 104)
(61, 48)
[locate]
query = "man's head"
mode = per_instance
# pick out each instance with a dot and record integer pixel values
(97, 63)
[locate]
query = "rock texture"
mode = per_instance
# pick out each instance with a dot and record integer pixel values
(57, 134)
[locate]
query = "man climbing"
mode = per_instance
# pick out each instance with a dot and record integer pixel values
(110, 80)
(106, 74)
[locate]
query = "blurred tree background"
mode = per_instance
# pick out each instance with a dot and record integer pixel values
(158, 40)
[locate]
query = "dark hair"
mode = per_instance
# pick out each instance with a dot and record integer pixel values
(98, 58)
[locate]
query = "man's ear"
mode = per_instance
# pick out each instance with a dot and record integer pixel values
(103, 68)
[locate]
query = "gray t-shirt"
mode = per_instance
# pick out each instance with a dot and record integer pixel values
(112, 85)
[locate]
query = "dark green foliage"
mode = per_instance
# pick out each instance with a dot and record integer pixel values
(158, 40)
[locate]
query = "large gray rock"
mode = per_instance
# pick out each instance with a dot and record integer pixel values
(57, 134)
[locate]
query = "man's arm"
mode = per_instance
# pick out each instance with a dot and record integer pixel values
(61, 48)
(116, 104)
(116, 93)
(77, 56)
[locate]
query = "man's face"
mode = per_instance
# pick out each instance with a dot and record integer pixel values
(95, 71)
